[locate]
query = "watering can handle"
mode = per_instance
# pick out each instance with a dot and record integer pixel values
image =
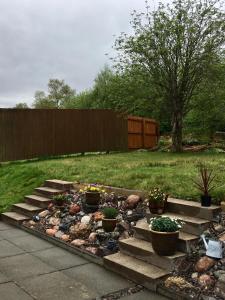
(203, 237)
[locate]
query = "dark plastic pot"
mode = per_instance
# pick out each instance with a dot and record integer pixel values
(109, 224)
(92, 198)
(157, 207)
(206, 200)
(164, 243)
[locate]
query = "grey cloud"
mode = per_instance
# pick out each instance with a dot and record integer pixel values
(64, 39)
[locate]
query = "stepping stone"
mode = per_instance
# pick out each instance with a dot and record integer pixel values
(134, 269)
(26, 209)
(13, 218)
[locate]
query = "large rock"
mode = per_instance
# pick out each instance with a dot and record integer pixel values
(132, 201)
(204, 264)
(43, 213)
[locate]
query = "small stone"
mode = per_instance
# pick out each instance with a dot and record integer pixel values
(98, 224)
(204, 264)
(205, 281)
(92, 237)
(98, 216)
(74, 209)
(85, 219)
(219, 228)
(78, 242)
(54, 221)
(79, 229)
(50, 206)
(59, 234)
(194, 276)
(132, 201)
(129, 212)
(36, 218)
(222, 238)
(31, 223)
(51, 232)
(219, 273)
(93, 250)
(43, 213)
(65, 237)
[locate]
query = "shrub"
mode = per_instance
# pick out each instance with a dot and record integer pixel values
(165, 224)
(110, 212)
(156, 195)
(205, 181)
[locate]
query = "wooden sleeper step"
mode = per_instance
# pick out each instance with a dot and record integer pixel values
(26, 209)
(14, 218)
(141, 231)
(135, 270)
(192, 209)
(47, 191)
(143, 250)
(59, 184)
(38, 201)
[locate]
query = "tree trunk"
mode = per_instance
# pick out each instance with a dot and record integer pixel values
(177, 128)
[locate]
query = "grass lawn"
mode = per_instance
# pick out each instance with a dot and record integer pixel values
(138, 170)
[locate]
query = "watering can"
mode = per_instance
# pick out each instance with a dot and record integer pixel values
(213, 248)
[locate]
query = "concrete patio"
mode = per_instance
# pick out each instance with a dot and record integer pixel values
(31, 268)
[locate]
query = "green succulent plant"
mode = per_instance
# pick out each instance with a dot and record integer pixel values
(110, 212)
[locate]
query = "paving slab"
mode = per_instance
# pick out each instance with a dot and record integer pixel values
(10, 291)
(4, 226)
(31, 243)
(98, 279)
(3, 279)
(57, 286)
(22, 266)
(144, 295)
(12, 233)
(59, 258)
(8, 249)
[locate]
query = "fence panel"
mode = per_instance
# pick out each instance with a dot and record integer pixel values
(142, 133)
(30, 133)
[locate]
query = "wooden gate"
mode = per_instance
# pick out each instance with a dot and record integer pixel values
(143, 133)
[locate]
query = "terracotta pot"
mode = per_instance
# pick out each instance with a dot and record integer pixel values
(157, 207)
(109, 224)
(206, 200)
(164, 243)
(92, 198)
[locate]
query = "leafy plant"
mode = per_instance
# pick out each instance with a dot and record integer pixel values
(156, 195)
(165, 224)
(60, 197)
(110, 212)
(205, 181)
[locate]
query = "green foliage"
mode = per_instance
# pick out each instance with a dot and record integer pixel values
(60, 198)
(21, 105)
(59, 95)
(110, 212)
(205, 182)
(165, 224)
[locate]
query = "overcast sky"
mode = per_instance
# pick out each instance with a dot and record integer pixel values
(64, 39)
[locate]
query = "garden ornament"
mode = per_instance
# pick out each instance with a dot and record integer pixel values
(213, 248)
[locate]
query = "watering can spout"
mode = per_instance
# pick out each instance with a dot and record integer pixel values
(204, 240)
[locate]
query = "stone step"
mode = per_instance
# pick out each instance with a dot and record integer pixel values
(59, 184)
(26, 209)
(47, 191)
(192, 225)
(143, 250)
(192, 208)
(38, 201)
(13, 218)
(135, 270)
(185, 239)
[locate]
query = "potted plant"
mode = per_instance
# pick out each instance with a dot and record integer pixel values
(109, 220)
(92, 194)
(205, 185)
(59, 200)
(156, 201)
(164, 234)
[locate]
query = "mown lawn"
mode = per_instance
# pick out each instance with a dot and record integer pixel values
(138, 170)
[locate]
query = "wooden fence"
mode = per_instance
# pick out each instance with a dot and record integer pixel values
(142, 133)
(30, 133)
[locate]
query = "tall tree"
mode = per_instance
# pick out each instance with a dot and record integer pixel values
(21, 105)
(59, 94)
(175, 45)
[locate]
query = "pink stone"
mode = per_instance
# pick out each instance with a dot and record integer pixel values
(205, 281)
(65, 237)
(132, 201)
(78, 242)
(92, 237)
(204, 264)
(51, 232)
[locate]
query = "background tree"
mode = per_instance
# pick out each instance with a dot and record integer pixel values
(59, 94)
(175, 46)
(21, 105)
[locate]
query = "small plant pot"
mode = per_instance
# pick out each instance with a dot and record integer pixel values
(164, 243)
(157, 208)
(92, 198)
(206, 200)
(109, 224)
(59, 204)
